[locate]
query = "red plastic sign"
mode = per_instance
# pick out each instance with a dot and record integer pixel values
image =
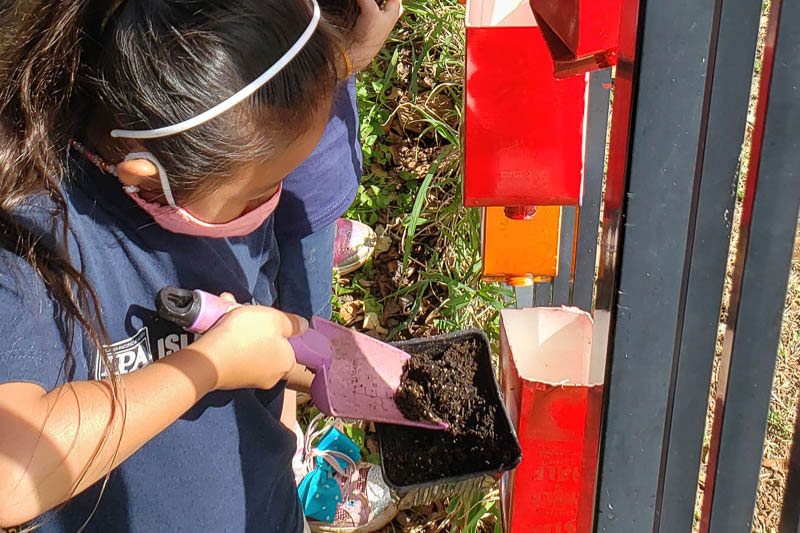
(523, 129)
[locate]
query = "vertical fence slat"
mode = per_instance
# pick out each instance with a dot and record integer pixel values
(790, 514)
(763, 286)
(731, 59)
(543, 294)
(669, 93)
(562, 284)
(524, 296)
(594, 170)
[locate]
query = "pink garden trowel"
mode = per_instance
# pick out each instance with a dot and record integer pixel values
(355, 376)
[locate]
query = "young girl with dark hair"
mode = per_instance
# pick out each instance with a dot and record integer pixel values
(143, 144)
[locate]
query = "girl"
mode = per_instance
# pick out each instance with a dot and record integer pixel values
(311, 238)
(181, 118)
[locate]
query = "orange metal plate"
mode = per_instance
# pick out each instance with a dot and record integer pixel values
(521, 248)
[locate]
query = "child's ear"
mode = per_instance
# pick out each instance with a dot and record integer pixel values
(136, 172)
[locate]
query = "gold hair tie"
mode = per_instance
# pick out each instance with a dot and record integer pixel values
(347, 62)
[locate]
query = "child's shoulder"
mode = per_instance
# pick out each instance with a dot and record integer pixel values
(23, 289)
(31, 335)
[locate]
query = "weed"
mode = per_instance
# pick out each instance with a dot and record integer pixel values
(777, 421)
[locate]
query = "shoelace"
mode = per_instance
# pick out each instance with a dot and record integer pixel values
(350, 473)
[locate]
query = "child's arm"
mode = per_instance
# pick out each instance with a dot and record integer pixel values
(47, 439)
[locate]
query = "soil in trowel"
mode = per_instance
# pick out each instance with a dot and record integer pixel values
(442, 386)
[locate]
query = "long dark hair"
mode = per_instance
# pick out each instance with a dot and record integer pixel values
(78, 68)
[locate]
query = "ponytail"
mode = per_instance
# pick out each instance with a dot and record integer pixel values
(40, 65)
(37, 118)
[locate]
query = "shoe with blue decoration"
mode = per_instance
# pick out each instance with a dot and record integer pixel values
(339, 492)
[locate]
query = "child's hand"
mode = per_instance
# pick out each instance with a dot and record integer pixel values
(372, 28)
(248, 346)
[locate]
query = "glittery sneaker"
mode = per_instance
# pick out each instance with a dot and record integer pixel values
(353, 245)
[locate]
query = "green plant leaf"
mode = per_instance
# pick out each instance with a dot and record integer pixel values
(429, 42)
(357, 435)
(418, 203)
(453, 505)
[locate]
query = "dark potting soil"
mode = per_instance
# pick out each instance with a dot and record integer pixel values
(450, 380)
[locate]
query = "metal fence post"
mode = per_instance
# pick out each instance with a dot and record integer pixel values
(668, 91)
(768, 226)
(728, 89)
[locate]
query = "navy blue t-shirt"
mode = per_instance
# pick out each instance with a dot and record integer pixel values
(318, 191)
(225, 465)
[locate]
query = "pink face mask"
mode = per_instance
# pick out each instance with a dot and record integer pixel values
(178, 220)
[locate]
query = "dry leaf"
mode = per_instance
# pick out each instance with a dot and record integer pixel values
(370, 320)
(391, 309)
(378, 171)
(395, 93)
(351, 310)
(431, 316)
(411, 120)
(373, 323)
(383, 244)
(774, 464)
(406, 302)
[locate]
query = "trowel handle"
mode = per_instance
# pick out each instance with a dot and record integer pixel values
(312, 349)
(195, 310)
(198, 310)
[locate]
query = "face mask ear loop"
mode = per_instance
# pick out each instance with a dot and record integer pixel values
(162, 174)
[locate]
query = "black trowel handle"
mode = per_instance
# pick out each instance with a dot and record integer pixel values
(195, 311)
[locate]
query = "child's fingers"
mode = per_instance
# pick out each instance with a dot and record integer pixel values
(290, 324)
(228, 297)
(368, 6)
(394, 9)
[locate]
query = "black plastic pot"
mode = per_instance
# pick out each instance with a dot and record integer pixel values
(401, 477)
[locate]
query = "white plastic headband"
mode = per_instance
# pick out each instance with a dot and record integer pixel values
(162, 174)
(231, 101)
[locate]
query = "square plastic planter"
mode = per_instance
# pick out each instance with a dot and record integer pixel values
(433, 457)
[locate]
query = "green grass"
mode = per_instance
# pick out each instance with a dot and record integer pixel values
(779, 421)
(411, 97)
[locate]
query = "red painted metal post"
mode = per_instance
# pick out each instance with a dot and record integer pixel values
(555, 405)
(523, 129)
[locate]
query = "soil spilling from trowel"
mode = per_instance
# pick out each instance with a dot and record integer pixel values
(441, 386)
